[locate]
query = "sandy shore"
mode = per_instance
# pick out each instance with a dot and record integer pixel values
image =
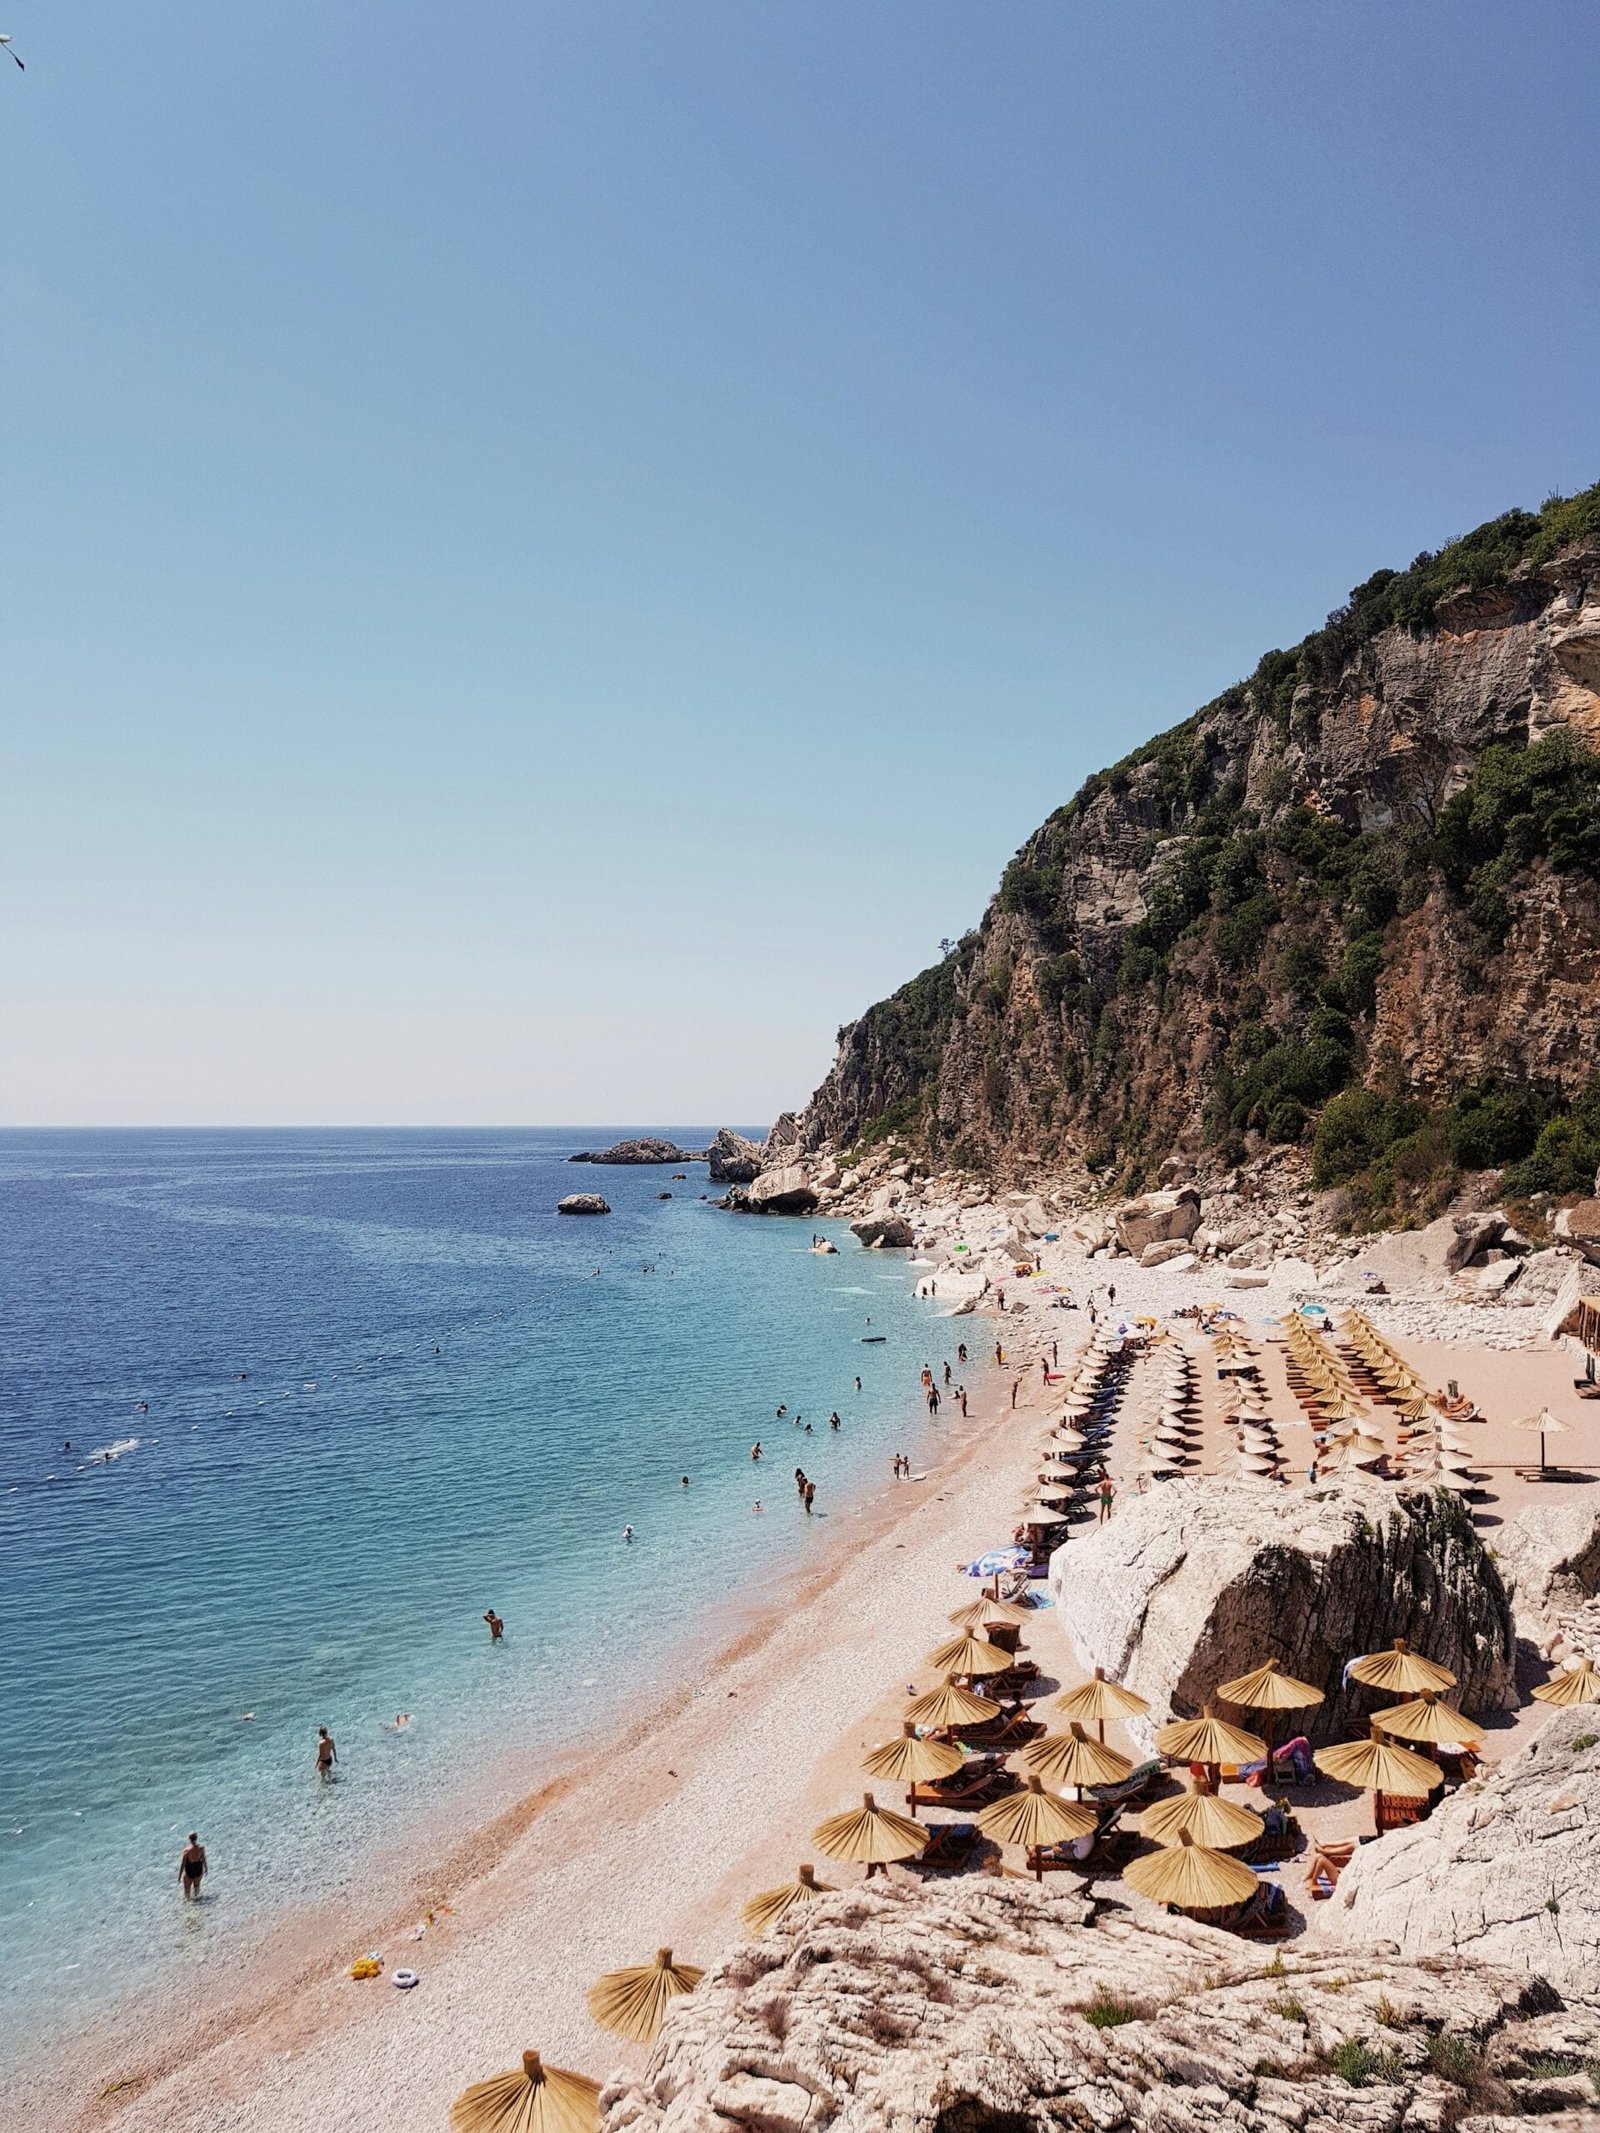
(657, 1838)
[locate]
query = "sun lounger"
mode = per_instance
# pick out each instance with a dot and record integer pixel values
(950, 1846)
(1265, 1916)
(982, 1781)
(1003, 1734)
(1137, 1782)
(1397, 1810)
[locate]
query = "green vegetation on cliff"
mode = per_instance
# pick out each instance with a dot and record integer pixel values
(1247, 978)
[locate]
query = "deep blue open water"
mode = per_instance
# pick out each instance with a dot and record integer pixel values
(388, 1387)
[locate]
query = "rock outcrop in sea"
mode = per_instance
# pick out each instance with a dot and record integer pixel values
(647, 1150)
(1194, 1584)
(582, 1203)
(993, 2007)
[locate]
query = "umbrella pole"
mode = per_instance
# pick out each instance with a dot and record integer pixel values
(1377, 1811)
(1269, 1774)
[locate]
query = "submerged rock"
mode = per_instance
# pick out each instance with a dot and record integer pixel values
(582, 1203)
(1199, 1581)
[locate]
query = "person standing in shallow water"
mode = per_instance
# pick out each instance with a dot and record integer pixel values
(497, 1628)
(327, 1755)
(191, 1867)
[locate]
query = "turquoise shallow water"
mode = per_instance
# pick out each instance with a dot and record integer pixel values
(319, 1506)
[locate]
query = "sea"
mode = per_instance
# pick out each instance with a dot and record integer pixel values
(283, 1414)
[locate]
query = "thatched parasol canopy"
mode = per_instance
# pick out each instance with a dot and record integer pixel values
(1208, 1739)
(951, 1705)
(532, 2098)
(1101, 1699)
(1580, 1685)
(870, 1835)
(1426, 1719)
(772, 1904)
(1203, 1818)
(967, 1654)
(910, 1760)
(1377, 1765)
(1072, 1758)
(1034, 1817)
(990, 1613)
(1400, 1671)
(632, 2002)
(1264, 1688)
(1190, 1875)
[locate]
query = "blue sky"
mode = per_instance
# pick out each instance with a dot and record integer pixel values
(551, 550)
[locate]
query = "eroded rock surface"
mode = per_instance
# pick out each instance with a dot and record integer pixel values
(1198, 1582)
(1503, 1870)
(647, 1150)
(961, 2009)
(732, 1160)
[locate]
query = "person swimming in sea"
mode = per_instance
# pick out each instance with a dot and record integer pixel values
(627, 1533)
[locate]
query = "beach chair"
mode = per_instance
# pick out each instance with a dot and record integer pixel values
(1328, 1862)
(1276, 1841)
(949, 1848)
(1003, 1734)
(1398, 1810)
(982, 1781)
(1265, 1916)
(1133, 1787)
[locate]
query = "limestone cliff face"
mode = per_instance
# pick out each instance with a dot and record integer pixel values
(1278, 900)
(993, 2007)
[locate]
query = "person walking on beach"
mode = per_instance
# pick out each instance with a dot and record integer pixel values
(191, 1867)
(961, 1395)
(497, 1628)
(1108, 1489)
(1044, 1371)
(327, 1755)
(1055, 1355)
(1015, 1382)
(999, 1355)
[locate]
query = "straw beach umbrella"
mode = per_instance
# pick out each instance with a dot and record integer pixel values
(1210, 1741)
(1034, 1818)
(632, 2002)
(1072, 1758)
(532, 2098)
(870, 1836)
(1190, 1876)
(1101, 1699)
(1378, 1766)
(911, 1761)
(1204, 1819)
(1580, 1685)
(1426, 1718)
(1400, 1671)
(1268, 1690)
(1547, 1424)
(950, 1705)
(990, 1613)
(772, 1904)
(968, 1655)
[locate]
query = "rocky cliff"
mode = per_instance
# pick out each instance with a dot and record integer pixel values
(997, 2008)
(1192, 1585)
(1374, 866)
